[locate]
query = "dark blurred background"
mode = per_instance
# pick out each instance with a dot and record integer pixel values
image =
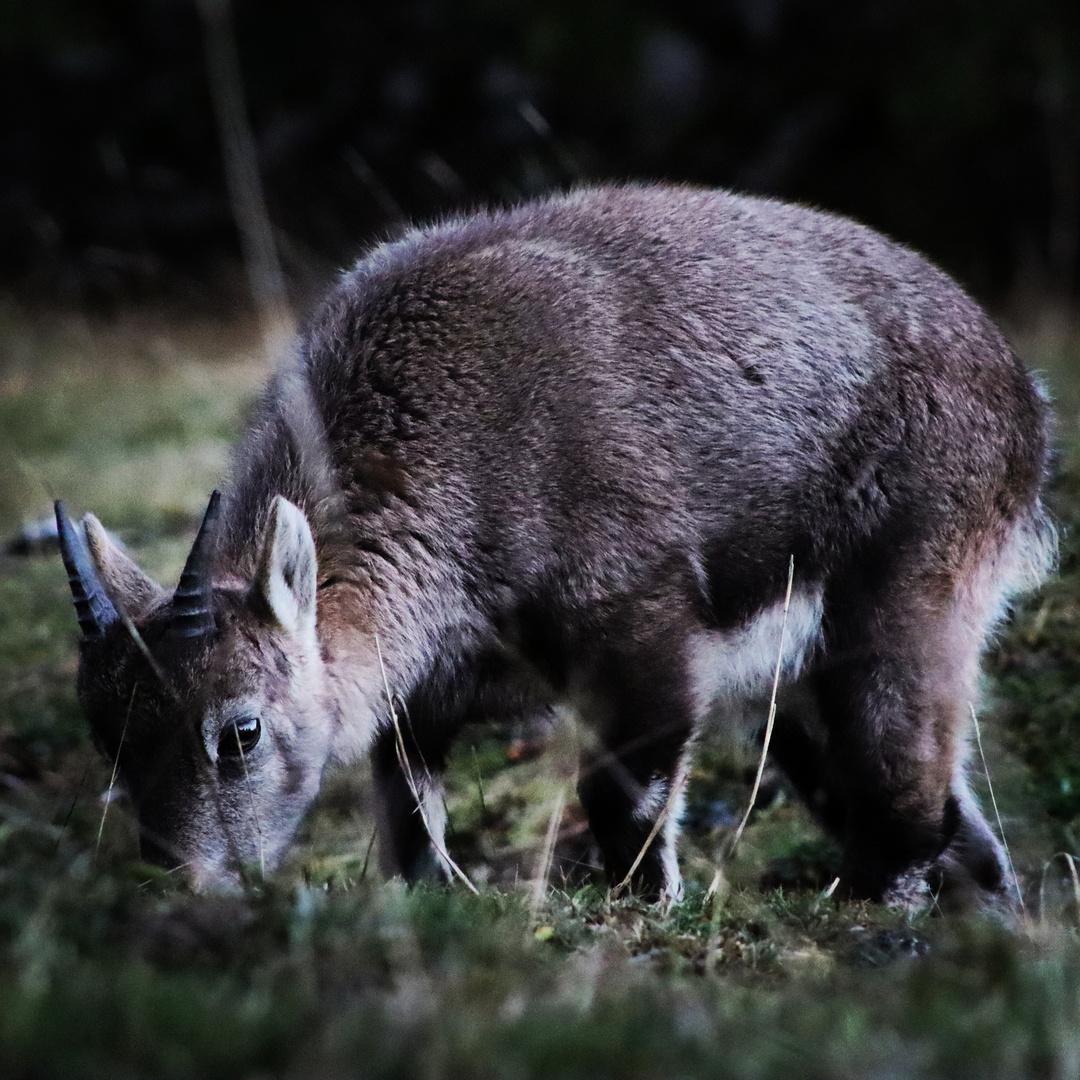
(952, 125)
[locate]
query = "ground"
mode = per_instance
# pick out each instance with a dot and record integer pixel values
(107, 968)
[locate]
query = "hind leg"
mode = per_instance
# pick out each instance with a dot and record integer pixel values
(895, 692)
(804, 763)
(799, 747)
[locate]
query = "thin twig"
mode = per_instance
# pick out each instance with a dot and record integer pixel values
(115, 772)
(676, 791)
(547, 855)
(403, 761)
(141, 645)
(772, 714)
(993, 801)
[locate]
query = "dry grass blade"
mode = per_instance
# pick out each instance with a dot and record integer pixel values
(137, 639)
(718, 883)
(673, 795)
(115, 773)
(772, 714)
(540, 883)
(254, 809)
(997, 815)
(90, 759)
(1071, 863)
(480, 787)
(141, 645)
(1071, 860)
(406, 768)
(367, 856)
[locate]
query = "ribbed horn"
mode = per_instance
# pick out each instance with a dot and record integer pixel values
(192, 602)
(93, 607)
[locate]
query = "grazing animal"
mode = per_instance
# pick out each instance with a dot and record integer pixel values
(565, 452)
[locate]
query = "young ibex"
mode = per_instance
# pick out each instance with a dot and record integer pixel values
(569, 450)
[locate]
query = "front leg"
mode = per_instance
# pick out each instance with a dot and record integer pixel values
(644, 719)
(411, 834)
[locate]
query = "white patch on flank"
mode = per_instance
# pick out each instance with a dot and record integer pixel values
(742, 661)
(653, 800)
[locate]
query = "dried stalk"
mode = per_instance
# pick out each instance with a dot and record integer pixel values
(406, 768)
(547, 855)
(993, 802)
(673, 795)
(254, 809)
(772, 714)
(115, 772)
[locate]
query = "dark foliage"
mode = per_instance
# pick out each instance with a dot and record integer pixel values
(954, 126)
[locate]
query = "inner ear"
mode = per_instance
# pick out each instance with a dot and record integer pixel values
(124, 581)
(288, 569)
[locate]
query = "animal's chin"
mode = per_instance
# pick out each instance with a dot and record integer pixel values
(215, 878)
(207, 875)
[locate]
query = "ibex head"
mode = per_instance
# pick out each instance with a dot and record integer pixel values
(210, 700)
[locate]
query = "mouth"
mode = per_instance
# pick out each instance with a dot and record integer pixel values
(198, 873)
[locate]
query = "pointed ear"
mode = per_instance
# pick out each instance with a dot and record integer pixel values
(288, 569)
(124, 581)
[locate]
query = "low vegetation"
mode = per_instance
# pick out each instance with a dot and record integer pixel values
(109, 968)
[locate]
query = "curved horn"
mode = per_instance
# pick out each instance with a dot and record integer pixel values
(93, 607)
(192, 612)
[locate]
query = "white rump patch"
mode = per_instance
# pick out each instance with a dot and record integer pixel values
(742, 661)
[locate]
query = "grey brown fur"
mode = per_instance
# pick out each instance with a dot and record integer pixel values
(565, 452)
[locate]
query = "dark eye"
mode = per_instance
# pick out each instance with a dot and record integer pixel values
(239, 738)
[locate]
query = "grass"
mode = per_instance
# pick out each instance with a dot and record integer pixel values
(325, 970)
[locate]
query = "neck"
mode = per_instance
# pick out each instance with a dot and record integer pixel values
(351, 680)
(367, 661)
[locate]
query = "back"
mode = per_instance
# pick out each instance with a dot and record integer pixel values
(623, 376)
